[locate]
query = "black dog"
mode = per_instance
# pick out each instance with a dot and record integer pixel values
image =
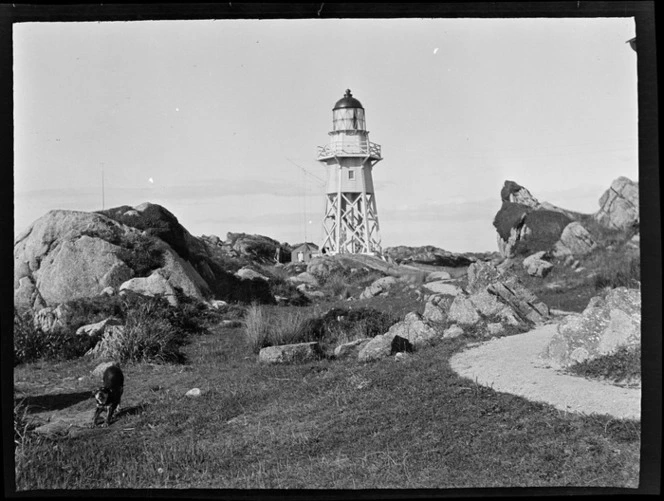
(108, 397)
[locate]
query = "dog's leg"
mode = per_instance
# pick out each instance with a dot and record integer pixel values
(96, 416)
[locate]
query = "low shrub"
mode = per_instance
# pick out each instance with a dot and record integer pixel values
(623, 365)
(141, 254)
(149, 335)
(286, 290)
(31, 344)
(621, 272)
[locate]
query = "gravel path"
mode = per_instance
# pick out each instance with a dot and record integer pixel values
(511, 364)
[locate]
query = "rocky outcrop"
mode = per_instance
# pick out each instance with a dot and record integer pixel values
(427, 254)
(574, 241)
(604, 326)
(413, 328)
(619, 205)
(247, 273)
(154, 285)
(290, 353)
(378, 287)
(66, 255)
(536, 266)
(442, 287)
(508, 291)
(350, 349)
(324, 266)
(255, 247)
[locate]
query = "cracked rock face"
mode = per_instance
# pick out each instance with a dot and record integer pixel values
(603, 327)
(619, 205)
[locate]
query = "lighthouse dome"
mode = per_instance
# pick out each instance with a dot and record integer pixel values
(348, 101)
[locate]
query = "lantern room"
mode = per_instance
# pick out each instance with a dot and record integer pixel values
(348, 114)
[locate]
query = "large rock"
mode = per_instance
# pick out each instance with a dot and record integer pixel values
(52, 319)
(65, 255)
(180, 273)
(111, 343)
(462, 311)
(290, 353)
(427, 254)
(324, 266)
(442, 287)
(522, 301)
(536, 266)
(378, 287)
(154, 285)
(509, 291)
(603, 327)
(249, 274)
(255, 247)
(304, 278)
(350, 349)
(619, 205)
(574, 241)
(413, 328)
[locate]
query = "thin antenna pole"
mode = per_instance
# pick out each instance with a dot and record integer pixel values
(102, 186)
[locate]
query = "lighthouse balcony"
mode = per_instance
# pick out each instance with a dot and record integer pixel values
(355, 149)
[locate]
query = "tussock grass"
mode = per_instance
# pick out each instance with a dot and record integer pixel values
(622, 366)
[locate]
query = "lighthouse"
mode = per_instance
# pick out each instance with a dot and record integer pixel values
(350, 223)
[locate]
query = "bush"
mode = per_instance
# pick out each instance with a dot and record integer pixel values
(149, 335)
(141, 254)
(31, 344)
(623, 365)
(28, 341)
(545, 229)
(509, 216)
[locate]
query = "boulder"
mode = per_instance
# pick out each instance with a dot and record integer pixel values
(536, 266)
(619, 205)
(604, 326)
(442, 287)
(378, 287)
(413, 328)
(575, 241)
(180, 273)
(96, 330)
(254, 247)
(522, 301)
(68, 269)
(290, 353)
(452, 332)
(324, 266)
(109, 346)
(304, 278)
(435, 276)
(378, 347)
(350, 349)
(249, 274)
(462, 311)
(495, 328)
(154, 285)
(52, 319)
(433, 313)
(428, 255)
(480, 275)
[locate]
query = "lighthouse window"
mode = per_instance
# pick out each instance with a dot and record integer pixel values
(351, 174)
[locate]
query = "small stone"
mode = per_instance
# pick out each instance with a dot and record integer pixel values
(194, 392)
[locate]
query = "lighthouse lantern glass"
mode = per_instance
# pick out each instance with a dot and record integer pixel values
(348, 119)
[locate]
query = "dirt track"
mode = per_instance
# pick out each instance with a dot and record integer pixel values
(511, 365)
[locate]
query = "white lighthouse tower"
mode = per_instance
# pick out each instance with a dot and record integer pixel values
(351, 219)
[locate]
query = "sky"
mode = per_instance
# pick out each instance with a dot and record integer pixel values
(219, 120)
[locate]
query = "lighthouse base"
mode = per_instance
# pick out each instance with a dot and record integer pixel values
(351, 224)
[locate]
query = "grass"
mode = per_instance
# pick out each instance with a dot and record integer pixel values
(273, 326)
(623, 366)
(325, 425)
